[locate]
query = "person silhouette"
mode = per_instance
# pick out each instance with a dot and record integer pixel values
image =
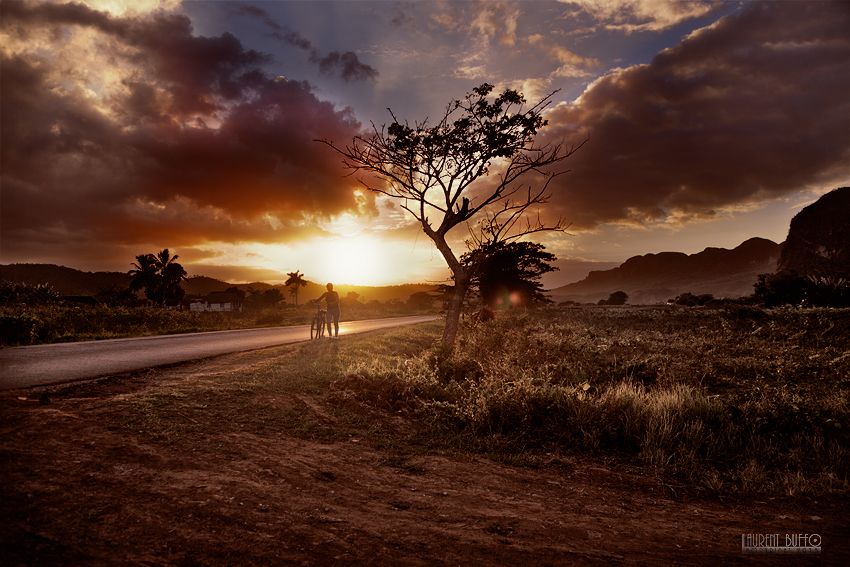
(332, 299)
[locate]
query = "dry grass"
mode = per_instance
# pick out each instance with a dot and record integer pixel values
(727, 401)
(39, 324)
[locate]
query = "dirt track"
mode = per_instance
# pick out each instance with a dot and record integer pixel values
(78, 491)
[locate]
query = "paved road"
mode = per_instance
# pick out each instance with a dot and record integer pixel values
(40, 365)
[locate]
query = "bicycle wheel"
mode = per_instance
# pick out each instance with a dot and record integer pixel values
(314, 328)
(321, 326)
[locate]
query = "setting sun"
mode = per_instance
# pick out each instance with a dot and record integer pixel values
(356, 260)
(194, 126)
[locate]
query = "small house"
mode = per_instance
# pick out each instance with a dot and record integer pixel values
(220, 301)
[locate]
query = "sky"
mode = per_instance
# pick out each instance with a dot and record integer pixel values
(129, 126)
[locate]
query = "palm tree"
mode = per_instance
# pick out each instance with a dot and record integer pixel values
(272, 296)
(255, 296)
(295, 281)
(171, 274)
(145, 275)
(159, 275)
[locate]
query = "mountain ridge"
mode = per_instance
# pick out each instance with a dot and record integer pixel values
(70, 281)
(655, 278)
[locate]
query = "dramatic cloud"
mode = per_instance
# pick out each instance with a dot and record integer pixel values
(132, 125)
(133, 130)
(571, 65)
(643, 15)
(749, 109)
(346, 65)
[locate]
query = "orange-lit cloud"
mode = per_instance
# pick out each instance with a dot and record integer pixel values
(126, 130)
(633, 16)
(132, 130)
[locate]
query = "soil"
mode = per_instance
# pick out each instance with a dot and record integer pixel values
(76, 490)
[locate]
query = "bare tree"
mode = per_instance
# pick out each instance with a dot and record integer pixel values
(441, 173)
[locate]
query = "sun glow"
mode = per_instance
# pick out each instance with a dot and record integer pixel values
(358, 260)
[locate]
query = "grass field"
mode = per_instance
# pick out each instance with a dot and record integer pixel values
(585, 436)
(740, 400)
(26, 325)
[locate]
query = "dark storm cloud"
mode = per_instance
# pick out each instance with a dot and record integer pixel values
(191, 142)
(193, 68)
(753, 108)
(346, 65)
(402, 19)
(279, 32)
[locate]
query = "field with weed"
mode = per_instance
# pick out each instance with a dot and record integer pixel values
(545, 435)
(43, 324)
(735, 400)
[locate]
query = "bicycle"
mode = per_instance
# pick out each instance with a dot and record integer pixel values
(317, 326)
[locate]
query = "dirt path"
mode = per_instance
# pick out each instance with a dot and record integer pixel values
(78, 491)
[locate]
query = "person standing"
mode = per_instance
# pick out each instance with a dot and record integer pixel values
(332, 299)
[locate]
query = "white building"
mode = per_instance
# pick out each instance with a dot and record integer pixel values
(219, 301)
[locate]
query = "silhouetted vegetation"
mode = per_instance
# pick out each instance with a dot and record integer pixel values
(420, 300)
(37, 320)
(507, 274)
(12, 293)
(430, 170)
(295, 281)
(616, 298)
(115, 296)
(259, 298)
(692, 300)
(160, 276)
(790, 288)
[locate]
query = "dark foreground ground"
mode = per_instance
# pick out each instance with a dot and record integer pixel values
(82, 487)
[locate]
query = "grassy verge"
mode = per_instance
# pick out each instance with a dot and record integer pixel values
(26, 325)
(726, 401)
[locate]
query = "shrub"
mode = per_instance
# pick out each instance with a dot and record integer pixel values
(12, 293)
(791, 288)
(20, 329)
(638, 386)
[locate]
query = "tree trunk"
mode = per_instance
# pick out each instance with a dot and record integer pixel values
(453, 314)
(461, 279)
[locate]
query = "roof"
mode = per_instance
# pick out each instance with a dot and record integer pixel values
(224, 297)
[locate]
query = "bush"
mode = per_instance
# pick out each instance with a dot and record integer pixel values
(21, 329)
(640, 386)
(76, 322)
(616, 298)
(692, 300)
(12, 293)
(790, 288)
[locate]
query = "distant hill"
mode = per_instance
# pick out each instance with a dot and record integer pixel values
(202, 285)
(818, 243)
(68, 281)
(655, 278)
